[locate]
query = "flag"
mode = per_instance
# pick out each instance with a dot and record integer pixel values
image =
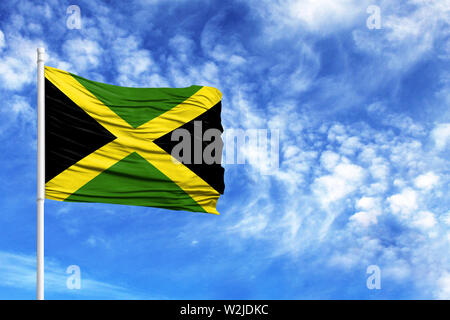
(111, 144)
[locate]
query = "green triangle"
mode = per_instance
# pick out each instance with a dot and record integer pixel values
(137, 105)
(134, 181)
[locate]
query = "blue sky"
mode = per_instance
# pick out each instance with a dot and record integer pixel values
(364, 123)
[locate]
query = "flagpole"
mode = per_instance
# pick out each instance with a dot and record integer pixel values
(40, 174)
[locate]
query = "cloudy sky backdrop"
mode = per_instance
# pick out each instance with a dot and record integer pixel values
(364, 123)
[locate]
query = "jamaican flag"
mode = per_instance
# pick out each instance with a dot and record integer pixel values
(112, 144)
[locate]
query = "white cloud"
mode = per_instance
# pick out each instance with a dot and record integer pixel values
(182, 46)
(379, 169)
(329, 160)
(443, 284)
(2, 40)
(364, 218)
(398, 269)
(95, 241)
(345, 179)
(19, 271)
(325, 15)
(395, 120)
(313, 15)
(18, 62)
(404, 203)
(424, 220)
(426, 181)
(16, 112)
(446, 218)
(84, 54)
(21, 108)
(441, 136)
(337, 133)
(291, 151)
(251, 225)
(133, 62)
(215, 45)
(367, 203)
(350, 146)
(370, 209)
(367, 154)
(407, 35)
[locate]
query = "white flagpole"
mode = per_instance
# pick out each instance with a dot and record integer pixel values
(40, 173)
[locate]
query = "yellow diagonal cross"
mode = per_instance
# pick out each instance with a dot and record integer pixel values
(130, 140)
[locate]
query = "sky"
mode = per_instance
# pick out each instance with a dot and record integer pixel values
(364, 135)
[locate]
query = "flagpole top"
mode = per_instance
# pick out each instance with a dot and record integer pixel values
(40, 54)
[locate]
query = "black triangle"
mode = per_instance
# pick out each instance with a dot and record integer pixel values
(70, 133)
(213, 174)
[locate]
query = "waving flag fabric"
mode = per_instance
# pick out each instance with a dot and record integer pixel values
(112, 144)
